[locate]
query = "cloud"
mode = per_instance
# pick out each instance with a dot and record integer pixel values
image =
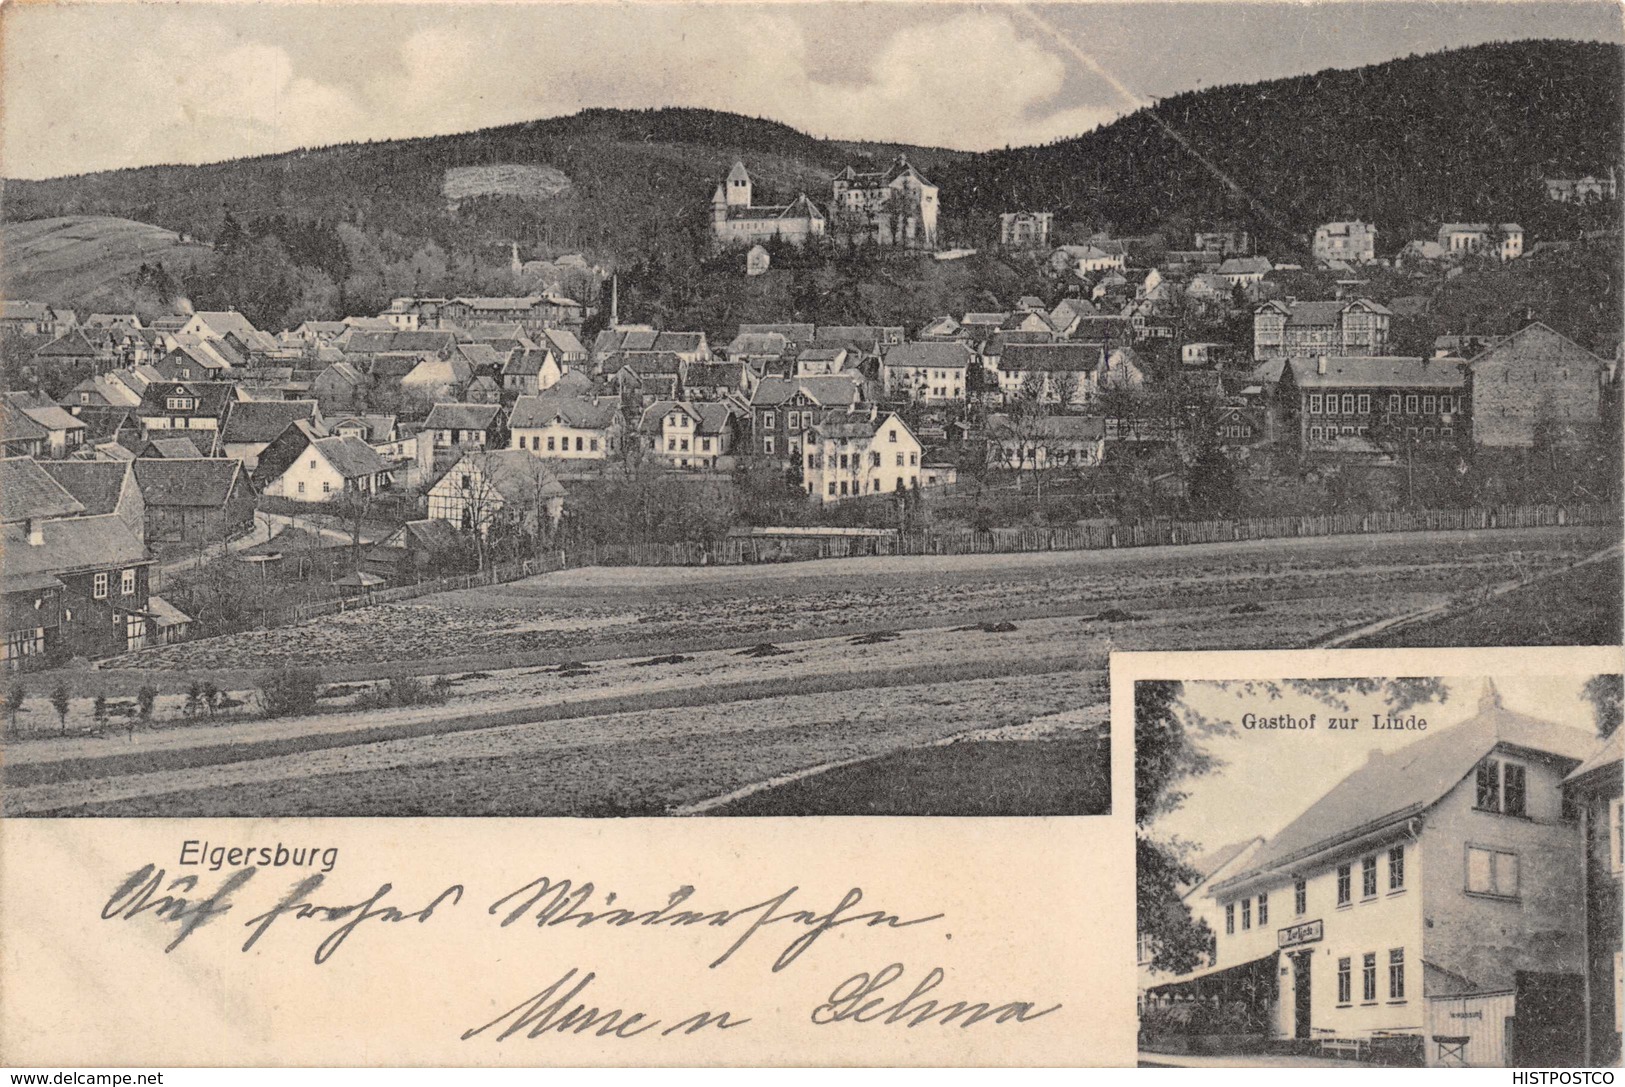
(213, 83)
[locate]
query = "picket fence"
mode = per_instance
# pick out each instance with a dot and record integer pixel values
(1084, 537)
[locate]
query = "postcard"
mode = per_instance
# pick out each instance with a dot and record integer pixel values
(611, 534)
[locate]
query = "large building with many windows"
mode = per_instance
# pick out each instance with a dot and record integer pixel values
(1430, 902)
(1380, 405)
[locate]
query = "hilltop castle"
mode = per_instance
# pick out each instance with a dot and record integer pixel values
(735, 220)
(895, 207)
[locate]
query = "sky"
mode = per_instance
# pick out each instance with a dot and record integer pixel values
(1270, 778)
(91, 86)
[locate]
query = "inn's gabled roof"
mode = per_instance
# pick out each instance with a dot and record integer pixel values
(1396, 785)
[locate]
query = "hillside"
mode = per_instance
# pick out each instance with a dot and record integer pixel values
(1408, 143)
(1464, 134)
(87, 260)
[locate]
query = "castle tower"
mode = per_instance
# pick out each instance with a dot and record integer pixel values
(738, 186)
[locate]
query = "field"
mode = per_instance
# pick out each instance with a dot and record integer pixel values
(931, 686)
(70, 259)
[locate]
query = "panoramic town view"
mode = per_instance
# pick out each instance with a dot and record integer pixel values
(741, 449)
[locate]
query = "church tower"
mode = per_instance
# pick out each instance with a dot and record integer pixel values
(738, 186)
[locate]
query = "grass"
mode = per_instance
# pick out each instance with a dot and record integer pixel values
(992, 777)
(1581, 606)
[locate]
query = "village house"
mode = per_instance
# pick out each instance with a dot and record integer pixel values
(1226, 242)
(1583, 190)
(1535, 386)
(566, 427)
(1245, 272)
(64, 434)
(1293, 329)
(820, 362)
(1504, 240)
(1038, 442)
(1063, 374)
(762, 351)
(894, 207)
(373, 429)
(1593, 791)
(693, 434)
(1427, 901)
(860, 453)
(340, 387)
(1374, 404)
(1353, 242)
(34, 319)
(251, 425)
(497, 488)
(188, 502)
(1025, 229)
(199, 408)
(926, 372)
(784, 409)
(103, 487)
(797, 334)
(304, 466)
(716, 380)
(1085, 260)
(452, 429)
(737, 220)
(75, 583)
(417, 550)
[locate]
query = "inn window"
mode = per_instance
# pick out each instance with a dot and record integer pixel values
(98, 587)
(1396, 868)
(767, 444)
(1246, 914)
(1428, 403)
(126, 582)
(767, 422)
(1314, 404)
(1345, 981)
(1229, 918)
(1368, 877)
(1263, 910)
(1365, 403)
(1348, 403)
(1368, 976)
(1393, 402)
(1345, 884)
(1492, 872)
(1501, 787)
(1410, 404)
(1300, 897)
(1396, 973)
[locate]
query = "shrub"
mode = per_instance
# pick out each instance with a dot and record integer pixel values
(403, 689)
(290, 691)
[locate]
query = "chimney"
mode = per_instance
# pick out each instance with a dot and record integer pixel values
(614, 301)
(1320, 366)
(1489, 698)
(36, 533)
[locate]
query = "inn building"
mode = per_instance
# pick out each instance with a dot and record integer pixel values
(1429, 904)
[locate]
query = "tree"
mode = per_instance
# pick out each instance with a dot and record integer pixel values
(1606, 694)
(98, 711)
(194, 701)
(61, 700)
(145, 699)
(16, 695)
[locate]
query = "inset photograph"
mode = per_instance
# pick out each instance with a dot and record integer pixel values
(1409, 871)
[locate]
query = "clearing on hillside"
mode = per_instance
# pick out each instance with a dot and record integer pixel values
(68, 259)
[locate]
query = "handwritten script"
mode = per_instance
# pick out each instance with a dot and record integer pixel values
(791, 922)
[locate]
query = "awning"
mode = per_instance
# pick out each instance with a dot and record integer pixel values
(1217, 973)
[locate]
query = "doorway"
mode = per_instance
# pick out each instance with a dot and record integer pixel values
(1300, 994)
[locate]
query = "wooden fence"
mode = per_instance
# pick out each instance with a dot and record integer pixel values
(1086, 537)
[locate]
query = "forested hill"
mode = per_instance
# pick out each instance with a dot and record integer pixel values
(633, 176)
(1464, 134)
